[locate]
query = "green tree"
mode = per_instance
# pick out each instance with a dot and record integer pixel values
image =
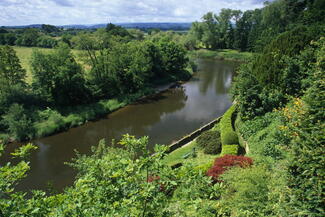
(136, 34)
(224, 19)
(46, 41)
(211, 32)
(117, 30)
(49, 28)
(244, 31)
(66, 38)
(11, 72)
(131, 65)
(174, 59)
(58, 77)
(18, 123)
(12, 80)
(8, 39)
(13, 203)
(28, 38)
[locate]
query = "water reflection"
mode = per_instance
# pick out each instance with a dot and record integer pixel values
(165, 118)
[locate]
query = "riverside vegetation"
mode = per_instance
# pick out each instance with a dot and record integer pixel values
(112, 70)
(278, 118)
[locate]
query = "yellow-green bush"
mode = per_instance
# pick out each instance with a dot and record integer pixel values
(230, 149)
(203, 167)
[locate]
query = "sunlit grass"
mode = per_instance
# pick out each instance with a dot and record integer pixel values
(177, 156)
(227, 54)
(25, 54)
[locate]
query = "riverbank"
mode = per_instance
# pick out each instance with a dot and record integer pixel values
(221, 54)
(54, 121)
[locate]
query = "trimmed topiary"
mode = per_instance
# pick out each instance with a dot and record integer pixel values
(210, 142)
(228, 135)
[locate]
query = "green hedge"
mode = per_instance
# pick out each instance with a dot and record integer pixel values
(230, 149)
(209, 141)
(229, 138)
(228, 135)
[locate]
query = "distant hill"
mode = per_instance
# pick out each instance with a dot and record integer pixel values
(142, 26)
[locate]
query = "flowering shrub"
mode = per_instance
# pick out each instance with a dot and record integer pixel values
(223, 163)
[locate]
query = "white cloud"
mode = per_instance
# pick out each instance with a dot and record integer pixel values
(60, 12)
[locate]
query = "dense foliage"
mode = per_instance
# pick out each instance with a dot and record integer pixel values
(253, 29)
(58, 78)
(114, 182)
(280, 99)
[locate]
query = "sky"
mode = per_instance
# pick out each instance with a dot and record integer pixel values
(63, 12)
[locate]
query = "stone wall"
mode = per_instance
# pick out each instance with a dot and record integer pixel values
(190, 137)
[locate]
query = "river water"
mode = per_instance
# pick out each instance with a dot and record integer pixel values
(164, 118)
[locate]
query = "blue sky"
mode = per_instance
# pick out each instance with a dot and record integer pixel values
(61, 12)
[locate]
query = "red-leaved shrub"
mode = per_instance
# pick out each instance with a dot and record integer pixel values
(221, 164)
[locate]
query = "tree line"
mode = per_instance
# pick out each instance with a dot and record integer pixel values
(49, 36)
(252, 30)
(280, 101)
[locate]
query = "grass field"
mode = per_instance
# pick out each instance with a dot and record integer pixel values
(25, 54)
(227, 54)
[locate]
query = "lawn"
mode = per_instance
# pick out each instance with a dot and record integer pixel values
(177, 156)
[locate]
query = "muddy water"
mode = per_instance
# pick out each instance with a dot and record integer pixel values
(164, 118)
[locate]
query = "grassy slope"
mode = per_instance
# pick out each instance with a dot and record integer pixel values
(226, 54)
(177, 156)
(201, 158)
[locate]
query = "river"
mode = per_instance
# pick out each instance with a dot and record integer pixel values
(164, 118)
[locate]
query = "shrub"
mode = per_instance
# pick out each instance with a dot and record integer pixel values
(305, 128)
(264, 135)
(203, 167)
(229, 149)
(254, 191)
(228, 135)
(222, 164)
(210, 142)
(18, 123)
(51, 121)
